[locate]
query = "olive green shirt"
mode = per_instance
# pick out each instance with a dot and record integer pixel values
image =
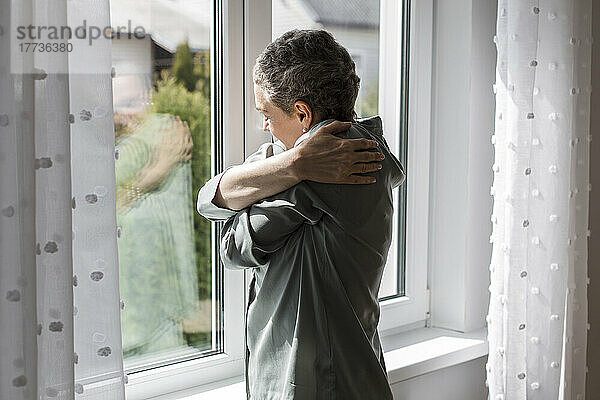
(317, 254)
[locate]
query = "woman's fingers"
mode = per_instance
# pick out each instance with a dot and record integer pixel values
(367, 156)
(363, 144)
(363, 168)
(327, 158)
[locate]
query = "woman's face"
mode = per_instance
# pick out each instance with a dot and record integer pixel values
(285, 127)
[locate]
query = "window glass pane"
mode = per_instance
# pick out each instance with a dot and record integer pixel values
(161, 53)
(355, 25)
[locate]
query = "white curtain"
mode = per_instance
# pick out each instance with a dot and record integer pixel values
(537, 322)
(60, 334)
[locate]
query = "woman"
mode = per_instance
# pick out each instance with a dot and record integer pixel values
(317, 250)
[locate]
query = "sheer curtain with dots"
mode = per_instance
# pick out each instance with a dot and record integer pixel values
(537, 322)
(60, 332)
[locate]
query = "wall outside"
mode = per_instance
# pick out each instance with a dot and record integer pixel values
(132, 60)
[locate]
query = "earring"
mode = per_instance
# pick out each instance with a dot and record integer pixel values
(304, 130)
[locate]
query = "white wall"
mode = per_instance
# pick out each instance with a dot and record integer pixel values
(132, 60)
(289, 14)
(462, 123)
(480, 159)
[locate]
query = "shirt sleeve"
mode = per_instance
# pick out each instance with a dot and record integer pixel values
(249, 237)
(206, 195)
(205, 205)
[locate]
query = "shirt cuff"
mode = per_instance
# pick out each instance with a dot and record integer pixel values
(205, 205)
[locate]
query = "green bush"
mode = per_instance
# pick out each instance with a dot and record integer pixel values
(172, 97)
(202, 72)
(183, 67)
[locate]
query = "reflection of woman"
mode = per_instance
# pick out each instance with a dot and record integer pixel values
(158, 277)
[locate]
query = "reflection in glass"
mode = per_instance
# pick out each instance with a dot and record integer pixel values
(162, 134)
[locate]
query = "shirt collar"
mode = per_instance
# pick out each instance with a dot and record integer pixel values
(302, 138)
(312, 130)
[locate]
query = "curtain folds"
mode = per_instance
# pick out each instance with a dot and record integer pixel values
(537, 321)
(60, 332)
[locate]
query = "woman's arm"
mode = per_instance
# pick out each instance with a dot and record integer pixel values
(321, 158)
(245, 184)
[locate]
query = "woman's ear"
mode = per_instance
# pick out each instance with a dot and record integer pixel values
(303, 114)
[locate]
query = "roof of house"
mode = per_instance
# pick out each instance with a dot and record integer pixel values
(364, 13)
(169, 22)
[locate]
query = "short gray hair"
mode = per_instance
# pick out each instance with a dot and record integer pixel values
(309, 65)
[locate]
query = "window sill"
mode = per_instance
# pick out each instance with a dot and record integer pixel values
(407, 355)
(424, 350)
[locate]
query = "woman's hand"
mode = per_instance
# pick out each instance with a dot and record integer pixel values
(176, 147)
(176, 144)
(326, 158)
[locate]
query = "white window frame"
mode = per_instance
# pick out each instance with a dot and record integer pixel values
(203, 371)
(247, 24)
(411, 310)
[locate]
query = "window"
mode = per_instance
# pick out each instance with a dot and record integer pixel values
(183, 315)
(182, 311)
(162, 106)
(377, 34)
(357, 28)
